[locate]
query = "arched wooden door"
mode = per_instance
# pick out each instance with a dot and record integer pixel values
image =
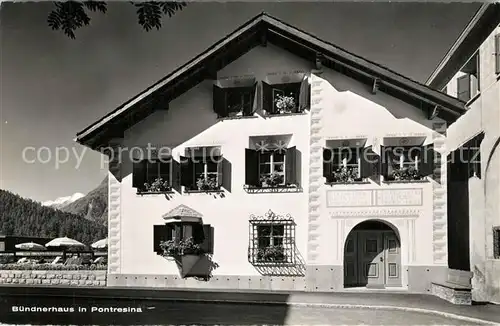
(372, 256)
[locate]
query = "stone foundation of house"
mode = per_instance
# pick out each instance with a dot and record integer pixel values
(320, 278)
(66, 278)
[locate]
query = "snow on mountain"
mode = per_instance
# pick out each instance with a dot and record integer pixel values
(63, 201)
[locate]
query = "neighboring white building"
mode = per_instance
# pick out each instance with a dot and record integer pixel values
(255, 184)
(471, 71)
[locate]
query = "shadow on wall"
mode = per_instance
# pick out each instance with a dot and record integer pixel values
(296, 269)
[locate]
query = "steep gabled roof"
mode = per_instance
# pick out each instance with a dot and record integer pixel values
(260, 30)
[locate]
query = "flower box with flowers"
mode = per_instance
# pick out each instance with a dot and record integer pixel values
(285, 104)
(158, 186)
(172, 248)
(345, 175)
(409, 173)
(271, 254)
(272, 180)
(207, 184)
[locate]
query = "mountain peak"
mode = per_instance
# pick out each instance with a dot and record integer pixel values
(63, 201)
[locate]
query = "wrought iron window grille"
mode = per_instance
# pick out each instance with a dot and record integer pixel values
(271, 239)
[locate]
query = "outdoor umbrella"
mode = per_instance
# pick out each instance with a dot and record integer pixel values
(101, 244)
(30, 246)
(64, 243)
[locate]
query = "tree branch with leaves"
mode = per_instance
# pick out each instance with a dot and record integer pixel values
(71, 15)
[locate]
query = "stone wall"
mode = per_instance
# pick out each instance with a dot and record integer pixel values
(66, 278)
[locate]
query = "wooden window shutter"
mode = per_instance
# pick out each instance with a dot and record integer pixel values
(496, 242)
(291, 166)
(304, 94)
(208, 240)
(463, 88)
(427, 161)
(251, 167)
(226, 174)
(327, 163)
(384, 164)
(370, 163)
(497, 54)
(160, 233)
(176, 176)
(267, 97)
(187, 171)
(220, 171)
(139, 174)
(257, 98)
(219, 101)
(198, 233)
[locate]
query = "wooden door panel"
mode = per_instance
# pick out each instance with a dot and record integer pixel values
(392, 250)
(351, 260)
(371, 271)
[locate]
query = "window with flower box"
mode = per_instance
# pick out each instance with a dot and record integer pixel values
(271, 168)
(407, 163)
(178, 238)
(155, 175)
(272, 239)
(347, 165)
(204, 169)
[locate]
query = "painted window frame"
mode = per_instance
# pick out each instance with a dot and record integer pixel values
(272, 164)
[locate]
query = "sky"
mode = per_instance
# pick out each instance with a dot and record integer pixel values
(52, 87)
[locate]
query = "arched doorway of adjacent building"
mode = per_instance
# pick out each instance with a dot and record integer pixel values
(372, 256)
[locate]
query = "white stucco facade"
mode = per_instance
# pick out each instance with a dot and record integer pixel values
(341, 109)
(484, 193)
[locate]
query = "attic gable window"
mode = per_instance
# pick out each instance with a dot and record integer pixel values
(285, 94)
(234, 97)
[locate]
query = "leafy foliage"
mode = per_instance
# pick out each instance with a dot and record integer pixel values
(345, 175)
(183, 247)
(52, 267)
(25, 217)
(70, 15)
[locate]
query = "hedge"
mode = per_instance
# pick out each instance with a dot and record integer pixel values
(52, 267)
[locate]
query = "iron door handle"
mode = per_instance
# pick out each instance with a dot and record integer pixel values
(381, 259)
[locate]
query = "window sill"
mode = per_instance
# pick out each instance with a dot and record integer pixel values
(203, 191)
(361, 182)
(143, 193)
(406, 181)
(267, 115)
(283, 189)
(272, 263)
(237, 117)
